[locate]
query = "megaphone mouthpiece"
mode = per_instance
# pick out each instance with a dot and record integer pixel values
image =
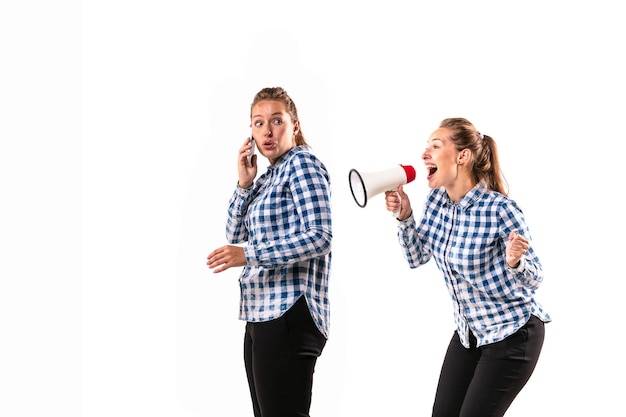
(410, 173)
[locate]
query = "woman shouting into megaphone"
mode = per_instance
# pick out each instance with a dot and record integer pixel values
(480, 242)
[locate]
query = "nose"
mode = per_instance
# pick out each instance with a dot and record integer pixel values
(269, 132)
(425, 155)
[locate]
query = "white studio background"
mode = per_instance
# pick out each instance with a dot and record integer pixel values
(120, 125)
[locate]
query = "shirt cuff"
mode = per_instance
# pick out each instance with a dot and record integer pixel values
(242, 190)
(250, 256)
(408, 222)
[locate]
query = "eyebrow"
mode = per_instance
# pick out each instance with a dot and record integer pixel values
(278, 113)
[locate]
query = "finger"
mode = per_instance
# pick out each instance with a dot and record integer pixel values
(392, 197)
(216, 259)
(215, 253)
(223, 264)
(517, 250)
(217, 266)
(515, 235)
(393, 207)
(392, 201)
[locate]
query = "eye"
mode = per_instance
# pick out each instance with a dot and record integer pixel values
(258, 124)
(277, 122)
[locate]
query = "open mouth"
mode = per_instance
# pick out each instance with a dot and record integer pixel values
(431, 169)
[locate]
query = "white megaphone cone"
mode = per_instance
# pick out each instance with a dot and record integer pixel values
(366, 185)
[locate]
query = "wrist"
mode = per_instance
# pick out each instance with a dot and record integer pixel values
(515, 264)
(401, 218)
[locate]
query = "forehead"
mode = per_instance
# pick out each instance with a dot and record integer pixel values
(268, 107)
(442, 134)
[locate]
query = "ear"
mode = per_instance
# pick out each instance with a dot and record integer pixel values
(296, 127)
(464, 156)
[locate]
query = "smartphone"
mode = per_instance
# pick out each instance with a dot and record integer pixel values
(251, 150)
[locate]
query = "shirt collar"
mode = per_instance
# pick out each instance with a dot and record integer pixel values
(286, 156)
(468, 199)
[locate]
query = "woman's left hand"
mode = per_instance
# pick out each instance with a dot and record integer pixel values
(516, 248)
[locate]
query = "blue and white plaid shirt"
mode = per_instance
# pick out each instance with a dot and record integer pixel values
(285, 218)
(467, 240)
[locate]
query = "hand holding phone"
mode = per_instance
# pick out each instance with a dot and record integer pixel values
(251, 151)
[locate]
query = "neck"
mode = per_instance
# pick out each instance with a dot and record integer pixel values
(458, 190)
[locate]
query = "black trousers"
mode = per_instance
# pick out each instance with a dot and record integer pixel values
(484, 381)
(280, 357)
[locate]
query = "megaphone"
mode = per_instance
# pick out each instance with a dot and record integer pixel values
(368, 184)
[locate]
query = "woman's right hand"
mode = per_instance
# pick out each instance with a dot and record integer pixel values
(228, 256)
(398, 200)
(246, 172)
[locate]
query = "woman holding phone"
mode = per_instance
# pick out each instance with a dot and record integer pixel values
(283, 221)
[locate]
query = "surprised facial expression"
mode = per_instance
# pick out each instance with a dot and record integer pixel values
(273, 129)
